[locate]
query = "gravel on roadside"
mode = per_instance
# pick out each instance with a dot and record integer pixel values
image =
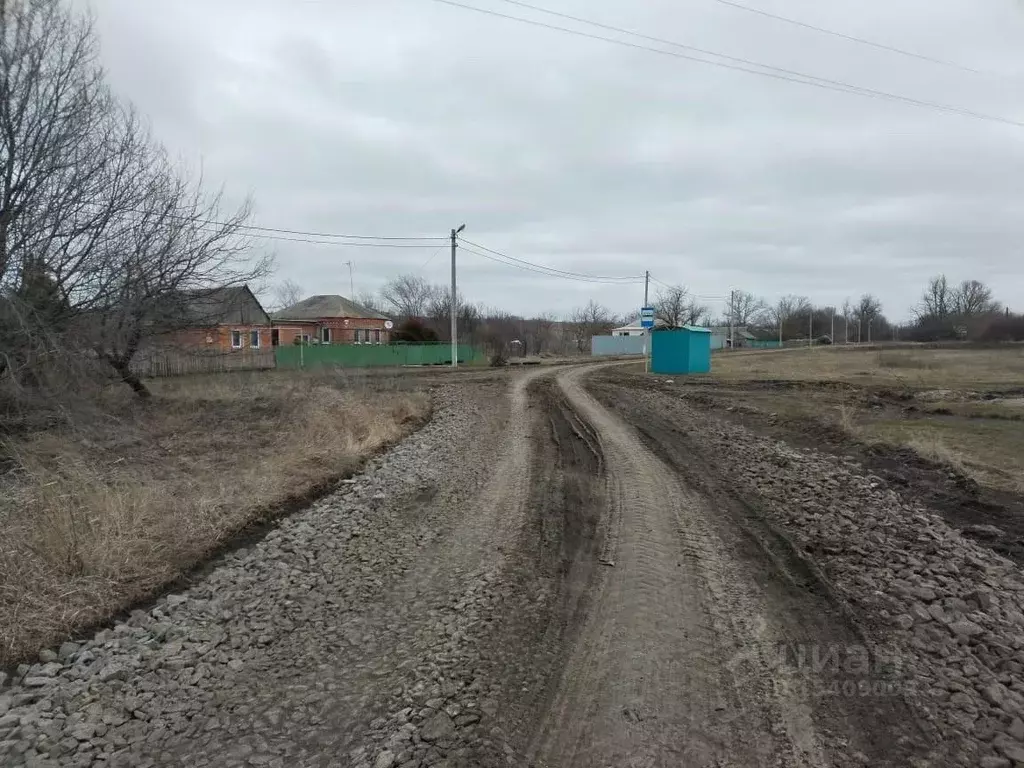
(950, 610)
(277, 656)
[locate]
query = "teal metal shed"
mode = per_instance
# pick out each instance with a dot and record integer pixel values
(681, 350)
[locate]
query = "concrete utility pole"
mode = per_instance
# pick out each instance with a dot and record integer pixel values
(455, 294)
(732, 314)
(832, 338)
(647, 286)
(810, 327)
(351, 283)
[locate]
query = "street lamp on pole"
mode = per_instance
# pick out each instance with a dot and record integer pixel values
(454, 300)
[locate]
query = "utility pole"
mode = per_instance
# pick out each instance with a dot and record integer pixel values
(732, 315)
(455, 294)
(351, 283)
(833, 336)
(870, 321)
(810, 327)
(647, 286)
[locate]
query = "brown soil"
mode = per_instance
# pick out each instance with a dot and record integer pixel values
(992, 516)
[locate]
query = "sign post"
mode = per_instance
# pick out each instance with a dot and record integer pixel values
(647, 323)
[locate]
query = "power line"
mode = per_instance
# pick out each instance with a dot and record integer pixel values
(336, 243)
(322, 234)
(777, 73)
(694, 295)
(307, 236)
(427, 262)
(852, 38)
(543, 270)
(564, 272)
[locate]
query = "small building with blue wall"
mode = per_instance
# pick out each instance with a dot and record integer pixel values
(681, 350)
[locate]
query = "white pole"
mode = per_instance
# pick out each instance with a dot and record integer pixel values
(455, 329)
(454, 306)
(732, 314)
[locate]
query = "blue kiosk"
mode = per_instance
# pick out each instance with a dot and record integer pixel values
(681, 350)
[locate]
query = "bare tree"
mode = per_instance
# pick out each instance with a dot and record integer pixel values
(675, 306)
(937, 303)
(539, 334)
(590, 320)
(847, 313)
(786, 309)
(176, 249)
(868, 310)
(409, 295)
(747, 309)
(369, 300)
(972, 299)
(438, 311)
(285, 295)
(101, 238)
(670, 305)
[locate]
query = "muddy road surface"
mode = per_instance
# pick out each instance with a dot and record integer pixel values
(560, 569)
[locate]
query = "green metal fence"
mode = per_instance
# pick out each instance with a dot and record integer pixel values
(372, 356)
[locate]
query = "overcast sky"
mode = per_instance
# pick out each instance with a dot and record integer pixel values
(409, 117)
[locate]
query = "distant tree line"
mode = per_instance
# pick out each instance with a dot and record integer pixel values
(965, 310)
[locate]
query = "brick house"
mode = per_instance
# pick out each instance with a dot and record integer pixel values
(330, 320)
(224, 320)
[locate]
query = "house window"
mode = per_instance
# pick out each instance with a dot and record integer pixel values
(275, 337)
(325, 335)
(376, 336)
(236, 339)
(305, 339)
(359, 336)
(254, 339)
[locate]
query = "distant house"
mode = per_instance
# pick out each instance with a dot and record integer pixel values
(222, 320)
(330, 320)
(741, 337)
(635, 329)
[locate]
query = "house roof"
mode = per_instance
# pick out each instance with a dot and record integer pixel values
(220, 305)
(317, 307)
(635, 326)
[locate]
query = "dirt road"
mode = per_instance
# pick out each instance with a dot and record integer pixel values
(553, 572)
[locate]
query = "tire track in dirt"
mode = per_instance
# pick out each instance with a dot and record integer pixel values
(874, 720)
(670, 667)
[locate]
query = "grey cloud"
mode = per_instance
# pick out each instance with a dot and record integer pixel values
(409, 117)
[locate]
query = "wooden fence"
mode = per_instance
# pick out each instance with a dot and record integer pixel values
(181, 362)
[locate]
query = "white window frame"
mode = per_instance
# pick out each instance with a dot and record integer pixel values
(236, 334)
(325, 335)
(254, 334)
(376, 335)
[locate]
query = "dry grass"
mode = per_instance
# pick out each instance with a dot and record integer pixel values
(101, 515)
(952, 423)
(912, 367)
(989, 451)
(935, 449)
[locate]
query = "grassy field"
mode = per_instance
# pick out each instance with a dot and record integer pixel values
(961, 407)
(100, 514)
(900, 366)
